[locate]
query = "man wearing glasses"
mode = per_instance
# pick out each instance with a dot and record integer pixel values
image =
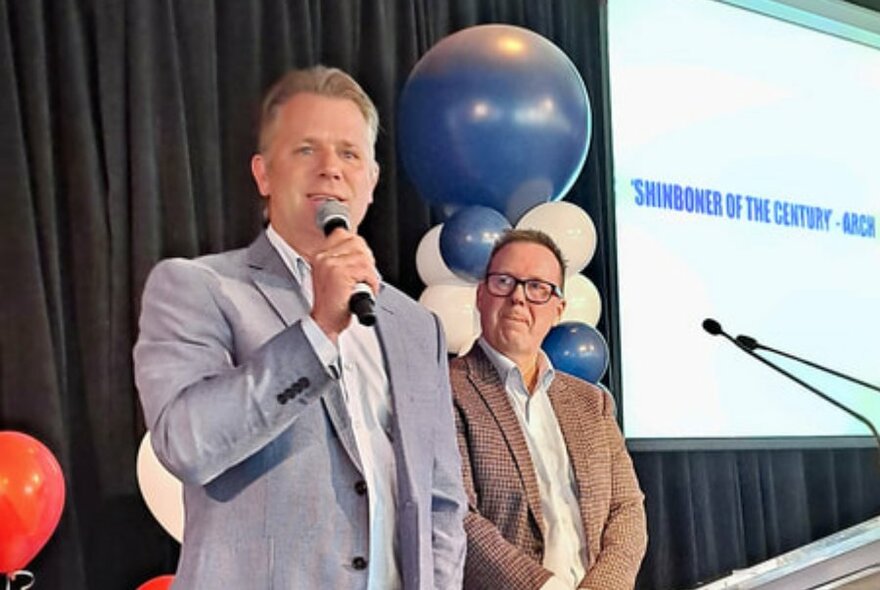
(553, 500)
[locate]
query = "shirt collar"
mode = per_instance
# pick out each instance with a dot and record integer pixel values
(510, 374)
(293, 260)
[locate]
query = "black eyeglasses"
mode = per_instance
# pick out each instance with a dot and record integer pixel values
(501, 284)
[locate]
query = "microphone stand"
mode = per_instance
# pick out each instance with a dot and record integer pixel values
(715, 329)
(752, 344)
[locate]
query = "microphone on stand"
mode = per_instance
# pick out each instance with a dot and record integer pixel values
(331, 216)
(752, 344)
(714, 328)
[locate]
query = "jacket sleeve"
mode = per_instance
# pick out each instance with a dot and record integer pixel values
(624, 536)
(206, 410)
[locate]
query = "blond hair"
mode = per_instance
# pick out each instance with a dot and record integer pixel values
(320, 80)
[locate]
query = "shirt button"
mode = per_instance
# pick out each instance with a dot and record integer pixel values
(349, 366)
(359, 563)
(360, 487)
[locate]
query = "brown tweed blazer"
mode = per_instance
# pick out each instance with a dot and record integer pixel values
(504, 521)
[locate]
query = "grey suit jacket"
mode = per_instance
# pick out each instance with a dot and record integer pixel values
(243, 412)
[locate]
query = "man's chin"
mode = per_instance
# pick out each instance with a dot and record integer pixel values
(514, 343)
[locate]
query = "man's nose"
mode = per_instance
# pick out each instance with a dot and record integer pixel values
(330, 166)
(518, 295)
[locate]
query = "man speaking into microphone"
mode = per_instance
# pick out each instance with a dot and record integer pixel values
(316, 450)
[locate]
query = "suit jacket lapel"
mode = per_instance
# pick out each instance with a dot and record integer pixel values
(578, 442)
(393, 349)
(339, 415)
(284, 294)
(273, 279)
(397, 368)
(487, 383)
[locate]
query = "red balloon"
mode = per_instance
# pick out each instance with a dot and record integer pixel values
(31, 498)
(160, 583)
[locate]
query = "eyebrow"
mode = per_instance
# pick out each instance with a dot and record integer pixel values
(316, 139)
(510, 274)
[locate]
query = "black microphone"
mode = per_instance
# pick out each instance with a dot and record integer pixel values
(752, 344)
(331, 216)
(715, 329)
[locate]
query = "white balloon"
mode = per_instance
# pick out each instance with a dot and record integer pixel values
(429, 261)
(569, 226)
(582, 301)
(455, 305)
(162, 492)
(467, 346)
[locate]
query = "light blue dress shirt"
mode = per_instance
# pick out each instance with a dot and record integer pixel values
(368, 398)
(565, 546)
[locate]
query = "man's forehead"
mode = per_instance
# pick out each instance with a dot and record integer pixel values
(303, 119)
(307, 108)
(528, 255)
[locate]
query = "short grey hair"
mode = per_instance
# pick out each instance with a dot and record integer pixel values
(531, 236)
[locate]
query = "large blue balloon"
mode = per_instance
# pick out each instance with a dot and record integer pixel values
(578, 349)
(467, 238)
(494, 115)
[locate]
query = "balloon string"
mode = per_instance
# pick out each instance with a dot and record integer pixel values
(11, 578)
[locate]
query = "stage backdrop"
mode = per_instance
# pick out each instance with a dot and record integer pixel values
(126, 131)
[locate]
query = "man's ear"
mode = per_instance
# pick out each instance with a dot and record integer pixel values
(479, 294)
(374, 173)
(560, 309)
(259, 172)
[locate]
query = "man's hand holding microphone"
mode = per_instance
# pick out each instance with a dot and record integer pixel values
(344, 275)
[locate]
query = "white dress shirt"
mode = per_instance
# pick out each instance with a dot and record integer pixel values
(368, 398)
(565, 546)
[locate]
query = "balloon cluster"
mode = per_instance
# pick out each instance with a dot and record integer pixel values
(32, 493)
(494, 126)
(31, 500)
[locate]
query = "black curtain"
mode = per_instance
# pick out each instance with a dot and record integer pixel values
(127, 129)
(711, 512)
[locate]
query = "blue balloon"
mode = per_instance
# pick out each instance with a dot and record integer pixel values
(578, 349)
(494, 115)
(467, 238)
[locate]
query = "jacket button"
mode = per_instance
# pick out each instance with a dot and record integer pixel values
(359, 563)
(360, 487)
